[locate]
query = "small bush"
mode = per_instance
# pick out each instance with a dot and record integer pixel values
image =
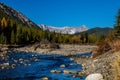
(95, 54)
(103, 46)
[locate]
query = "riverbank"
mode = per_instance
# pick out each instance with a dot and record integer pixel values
(65, 49)
(102, 64)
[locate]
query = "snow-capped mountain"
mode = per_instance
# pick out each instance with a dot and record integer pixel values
(64, 30)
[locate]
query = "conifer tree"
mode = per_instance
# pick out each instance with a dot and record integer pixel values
(8, 30)
(12, 37)
(82, 37)
(86, 37)
(117, 26)
(3, 22)
(2, 38)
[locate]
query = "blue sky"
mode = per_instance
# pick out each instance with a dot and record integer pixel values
(92, 13)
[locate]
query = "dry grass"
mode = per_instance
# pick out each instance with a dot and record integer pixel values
(109, 44)
(103, 47)
(116, 68)
(115, 45)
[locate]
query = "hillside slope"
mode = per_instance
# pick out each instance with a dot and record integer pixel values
(9, 12)
(98, 30)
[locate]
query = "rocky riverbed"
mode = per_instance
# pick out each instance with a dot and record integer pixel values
(65, 49)
(14, 58)
(101, 64)
(26, 66)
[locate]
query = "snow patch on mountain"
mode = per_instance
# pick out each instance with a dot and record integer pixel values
(64, 30)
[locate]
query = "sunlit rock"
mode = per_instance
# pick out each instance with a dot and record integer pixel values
(71, 59)
(95, 76)
(15, 61)
(45, 78)
(55, 71)
(62, 66)
(71, 64)
(52, 71)
(68, 72)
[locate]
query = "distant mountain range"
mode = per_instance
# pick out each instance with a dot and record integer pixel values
(64, 30)
(6, 11)
(98, 30)
(76, 30)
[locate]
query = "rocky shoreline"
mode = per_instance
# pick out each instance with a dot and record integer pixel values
(65, 49)
(101, 64)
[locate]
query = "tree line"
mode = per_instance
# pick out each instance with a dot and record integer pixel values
(12, 32)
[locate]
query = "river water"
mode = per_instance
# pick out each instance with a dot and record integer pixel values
(33, 66)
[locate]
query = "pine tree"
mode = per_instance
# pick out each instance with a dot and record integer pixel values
(7, 31)
(82, 37)
(3, 22)
(117, 26)
(101, 36)
(92, 38)
(12, 37)
(2, 39)
(86, 37)
(0, 29)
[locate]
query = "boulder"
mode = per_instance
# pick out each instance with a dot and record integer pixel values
(95, 76)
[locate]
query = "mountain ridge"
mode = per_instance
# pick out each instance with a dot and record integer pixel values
(12, 13)
(98, 30)
(63, 30)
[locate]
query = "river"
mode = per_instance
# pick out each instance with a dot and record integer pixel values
(33, 66)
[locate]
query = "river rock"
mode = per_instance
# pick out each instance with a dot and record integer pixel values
(13, 66)
(45, 78)
(71, 64)
(15, 61)
(71, 59)
(55, 71)
(62, 66)
(95, 76)
(6, 65)
(68, 72)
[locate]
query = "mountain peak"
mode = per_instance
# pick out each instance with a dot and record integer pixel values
(64, 30)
